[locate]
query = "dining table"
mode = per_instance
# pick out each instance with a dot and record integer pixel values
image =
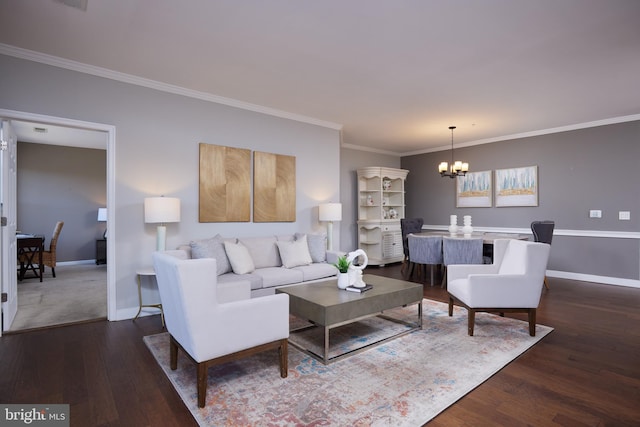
(487, 237)
(29, 249)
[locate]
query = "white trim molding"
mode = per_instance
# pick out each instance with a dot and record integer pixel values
(68, 64)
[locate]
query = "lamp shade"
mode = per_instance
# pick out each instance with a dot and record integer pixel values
(161, 209)
(330, 212)
(102, 214)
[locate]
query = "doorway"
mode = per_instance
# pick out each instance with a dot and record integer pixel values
(75, 134)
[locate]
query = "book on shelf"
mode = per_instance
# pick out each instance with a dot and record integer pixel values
(360, 290)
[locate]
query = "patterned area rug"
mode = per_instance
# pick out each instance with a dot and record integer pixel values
(404, 382)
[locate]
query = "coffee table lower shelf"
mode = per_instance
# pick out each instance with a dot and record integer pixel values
(324, 358)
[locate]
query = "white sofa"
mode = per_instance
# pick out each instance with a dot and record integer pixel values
(265, 262)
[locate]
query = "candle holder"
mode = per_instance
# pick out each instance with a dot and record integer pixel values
(453, 224)
(467, 229)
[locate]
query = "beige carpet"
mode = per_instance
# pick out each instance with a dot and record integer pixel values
(77, 293)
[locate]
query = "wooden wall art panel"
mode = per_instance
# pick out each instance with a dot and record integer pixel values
(274, 187)
(225, 184)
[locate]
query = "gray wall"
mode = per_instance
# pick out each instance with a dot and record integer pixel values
(591, 168)
(156, 153)
(57, 183)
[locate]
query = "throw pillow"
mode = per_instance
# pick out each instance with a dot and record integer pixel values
(294, 254)
(239, 257)
(212, 248)
(317, 246)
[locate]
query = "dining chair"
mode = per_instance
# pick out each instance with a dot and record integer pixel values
(423, 251)
(408, 226)
(49, 256)
(543, 233)
(456, 250)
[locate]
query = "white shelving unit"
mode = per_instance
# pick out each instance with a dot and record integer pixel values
(380, 208)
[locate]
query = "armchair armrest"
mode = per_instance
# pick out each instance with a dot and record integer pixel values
(237, 325)
(462, 271)
(503, 290)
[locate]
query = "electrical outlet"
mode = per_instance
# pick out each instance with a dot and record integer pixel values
(624, 215)
(595, 214)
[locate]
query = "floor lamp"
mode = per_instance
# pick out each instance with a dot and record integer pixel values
(161, 210)
(329, 212)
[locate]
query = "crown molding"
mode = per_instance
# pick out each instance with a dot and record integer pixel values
(68, 64)
(577, 126)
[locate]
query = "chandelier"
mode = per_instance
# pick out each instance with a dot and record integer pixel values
(457, 168)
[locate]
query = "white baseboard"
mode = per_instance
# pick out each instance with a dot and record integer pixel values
(130, 312)
(617, 281)
(78, 262)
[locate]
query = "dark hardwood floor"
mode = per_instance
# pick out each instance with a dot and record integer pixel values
(585, 373)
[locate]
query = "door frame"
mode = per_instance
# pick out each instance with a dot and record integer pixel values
(110, 130)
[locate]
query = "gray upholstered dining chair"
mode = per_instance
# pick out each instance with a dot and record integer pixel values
(543, 233)
(408, 226)
(423, 251)
(457, 250)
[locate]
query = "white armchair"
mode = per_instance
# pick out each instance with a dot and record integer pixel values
(513, 283)
(211, 331)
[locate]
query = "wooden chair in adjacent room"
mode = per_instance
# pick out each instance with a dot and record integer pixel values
(49, 256)
(543, 233)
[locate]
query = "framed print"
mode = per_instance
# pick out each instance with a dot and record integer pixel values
(474, 190)
(517, 186)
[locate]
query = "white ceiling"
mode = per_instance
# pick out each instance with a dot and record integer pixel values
(394, 73)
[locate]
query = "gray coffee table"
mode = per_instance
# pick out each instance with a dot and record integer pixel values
(326, 306)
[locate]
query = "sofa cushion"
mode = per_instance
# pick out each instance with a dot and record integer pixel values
(294, 253)
(239, 257)
(263, 250)
(317, 246)
(212, 248)
(317, 271)
(277, 276)
(230, 278)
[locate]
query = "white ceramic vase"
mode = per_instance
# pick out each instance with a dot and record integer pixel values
(343, 280)
(467, 229)
(453, 223)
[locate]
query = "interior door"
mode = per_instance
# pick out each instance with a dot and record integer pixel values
(8, 250)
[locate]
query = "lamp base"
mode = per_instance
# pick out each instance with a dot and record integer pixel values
(330, 236)
(161, 238)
